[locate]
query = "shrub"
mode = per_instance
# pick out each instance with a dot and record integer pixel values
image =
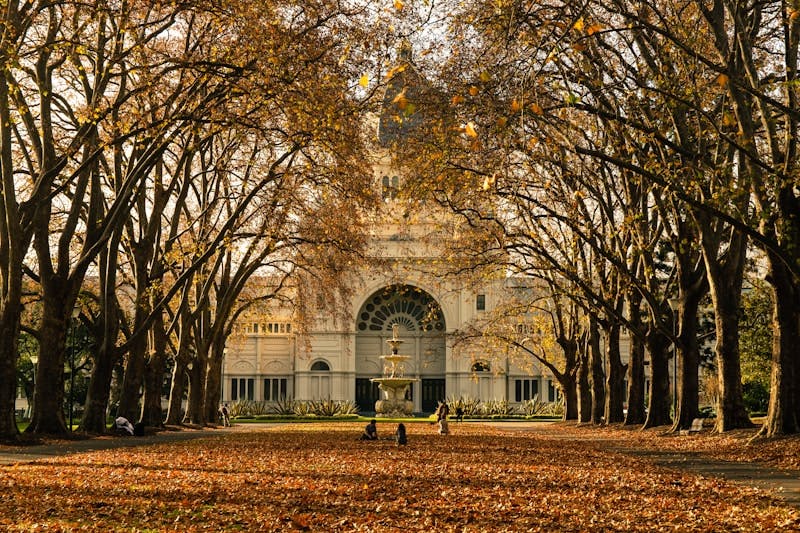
(496, 408)
(285, 406)
(470, 406)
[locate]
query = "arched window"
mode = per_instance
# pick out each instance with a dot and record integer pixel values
(480, 366)
(320, 366)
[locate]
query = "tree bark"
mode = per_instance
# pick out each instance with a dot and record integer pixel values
(584, 390)
(48, 402)
(659, 402)
(636, 376)
(195, 414)
(155, 369)
(179, 373)
(9, 335)
(596, 378)
(688, 351)
(13, 246)
(782, 416)
(725, 283)
(615, 381)
(95, 411)
(214, 382)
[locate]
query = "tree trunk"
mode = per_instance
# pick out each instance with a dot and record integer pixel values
(659, 401)
(95, 411)
(636, 375)
(155, 369)
(177, 387)
(570, 390)
(212, 389)
(9, 335)
(131, 392)
(179, 377)
(615, 381)
(99, 390)
(214, 381)
(48, 402)
(197, 379)
(584, 390)
(725, 284)
(596, 378)
(14, 245)
(688, 351)
(782, 417)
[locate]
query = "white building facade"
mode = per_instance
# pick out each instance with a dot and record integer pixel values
(267, 361)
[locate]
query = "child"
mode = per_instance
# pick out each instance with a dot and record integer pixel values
(400, 435)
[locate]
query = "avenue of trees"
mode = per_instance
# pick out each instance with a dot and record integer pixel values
(155, 157)
(167, 167)
(624, 157)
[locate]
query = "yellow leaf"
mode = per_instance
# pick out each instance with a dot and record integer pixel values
(473, 91)
(469, 129)
(594, 28)
(485, 76)
(457, 99)
(398, 4)
(363, 80)
(501, 122)
(515, 105)
(722, 80)
(537, 109)
(395, 70)
(578, 24)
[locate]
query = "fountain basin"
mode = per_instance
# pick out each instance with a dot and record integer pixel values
(394, 403)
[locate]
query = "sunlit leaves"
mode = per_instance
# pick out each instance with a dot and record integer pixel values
(320, 478)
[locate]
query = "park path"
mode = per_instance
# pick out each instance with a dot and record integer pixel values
(785, 484)
(10, 455)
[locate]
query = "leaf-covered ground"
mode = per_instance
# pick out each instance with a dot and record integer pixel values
(738, 445)
(317, 477)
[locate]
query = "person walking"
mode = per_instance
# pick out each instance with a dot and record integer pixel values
(226, 419)
(442, 412)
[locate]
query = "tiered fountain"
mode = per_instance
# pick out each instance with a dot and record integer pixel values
(394, 383)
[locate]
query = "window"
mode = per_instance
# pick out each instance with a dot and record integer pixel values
(243, 389)
(480, 302)
(480, 366)
(390, 187)
(526, 389)
(275, 389)
(320, 366)
(276, 327)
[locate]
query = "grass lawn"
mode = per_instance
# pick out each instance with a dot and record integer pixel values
(319, 477)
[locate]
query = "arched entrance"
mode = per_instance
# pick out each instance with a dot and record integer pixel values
(422, 328)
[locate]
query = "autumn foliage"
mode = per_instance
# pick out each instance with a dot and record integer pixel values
(321, 478)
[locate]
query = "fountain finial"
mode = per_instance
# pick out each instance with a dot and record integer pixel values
(395, 331)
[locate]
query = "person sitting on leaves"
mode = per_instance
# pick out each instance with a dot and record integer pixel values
(400, 435)
(370, 431)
